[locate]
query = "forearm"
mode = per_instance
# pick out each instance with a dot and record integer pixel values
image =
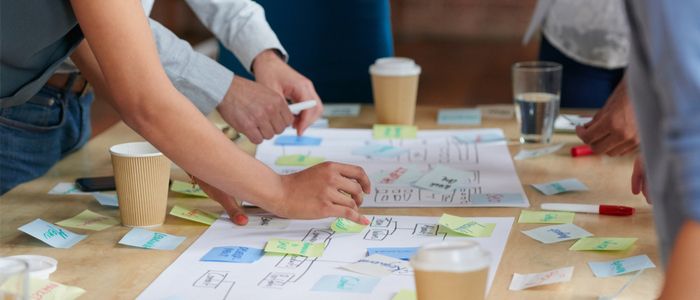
(681, 274)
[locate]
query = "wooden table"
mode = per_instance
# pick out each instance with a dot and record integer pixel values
(108, 270)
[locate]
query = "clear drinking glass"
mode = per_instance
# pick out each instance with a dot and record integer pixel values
(536, 89)
(14, 279)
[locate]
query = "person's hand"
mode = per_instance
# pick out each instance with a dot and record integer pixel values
(234, 210)
(271, 71)
(639, 181)
(325, 190)
(255, 110)
(613, 130)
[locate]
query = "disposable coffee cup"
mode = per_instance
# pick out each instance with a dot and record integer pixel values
(451, 270)
(141, 174)
(395, 88)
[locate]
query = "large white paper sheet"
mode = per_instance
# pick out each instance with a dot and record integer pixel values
(294, 277)
(489, 163)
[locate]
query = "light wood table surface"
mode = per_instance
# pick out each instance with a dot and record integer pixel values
(111, 271)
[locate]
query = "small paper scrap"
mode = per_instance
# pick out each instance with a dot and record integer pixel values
(466, 226)
(293, 140)
(403, 253)
(479, 138)
(497, 111)
(405, 295)
(459, 116)
(52, 235)
(343, 225)
(377, 150)
(187, 189)
(298, 160)
(525, 154)
(233, 254)
(89, 220)
(386, 132)
(442, 179)
(557, 233)
(106, 199)
(143, 238)
(377, 265)
(526, 281)
(400, 175)
(496, 198)
(194, 214)
(620, 266)
(341, 110)
(301, 248)
(546, 217)
(66, 188)
(40, 289)
(345, 284)
(560, 186)
(603, 244)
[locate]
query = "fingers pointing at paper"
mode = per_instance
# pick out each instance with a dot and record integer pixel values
(234, 210)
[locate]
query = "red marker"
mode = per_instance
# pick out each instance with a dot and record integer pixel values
(581, 150)
(611, 210)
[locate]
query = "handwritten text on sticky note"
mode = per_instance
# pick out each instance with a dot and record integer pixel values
(546, 217)
(298, 160)
(233, 254)
(603, 244)
(378, 265)
(143, 238)
(194, 214)
(403, 253)
(560, 186)
(620, 266)
(345, 284)
(557, 233)
(466, 226)
(53, 235)
(343, 225)
(40, 289)
(293, 140)
(524, 281)
(384, 132)
(89, 220)
(187, 189)
(282, 246)
(442, 179)
(459, 116)
(496, 199)
(400, 175)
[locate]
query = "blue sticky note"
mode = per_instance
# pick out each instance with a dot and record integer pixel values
(345, 284)
(293, 140)
(53, 235)
(143, 238)
(461, 116)
(621, 266)
(378, 150)
(476, 138)
(404, 253)
(233, 254)
(496, 198)
(106, 199)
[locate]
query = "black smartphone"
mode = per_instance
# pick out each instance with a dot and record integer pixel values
(95, 184)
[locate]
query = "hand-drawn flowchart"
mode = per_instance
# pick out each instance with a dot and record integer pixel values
(298, 277)
(486, 161)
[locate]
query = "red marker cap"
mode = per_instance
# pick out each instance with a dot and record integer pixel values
(615, 210)
(581, 150)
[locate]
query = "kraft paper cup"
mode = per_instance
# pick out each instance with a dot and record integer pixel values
(395, 88)
(141, 174)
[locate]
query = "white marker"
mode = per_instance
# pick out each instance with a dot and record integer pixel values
(612, 210)
(296, 108)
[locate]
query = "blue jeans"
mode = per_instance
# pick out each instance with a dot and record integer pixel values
(33, 137)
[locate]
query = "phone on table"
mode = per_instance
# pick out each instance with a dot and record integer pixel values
(96, 184)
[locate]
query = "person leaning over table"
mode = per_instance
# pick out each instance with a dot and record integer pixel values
(110, 42)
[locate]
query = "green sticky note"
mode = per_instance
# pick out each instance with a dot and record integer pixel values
(89, 220)
(384, 132)
(193, 214)
(487, 232)
(547, 217)
(465, 226)
(187, 189)
(298, 160)
(405, 295)
(603, 244)
(282, 246)
(343, 225)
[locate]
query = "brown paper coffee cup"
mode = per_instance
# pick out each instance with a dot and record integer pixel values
(395, 88)
(141, 174)
(450, 271)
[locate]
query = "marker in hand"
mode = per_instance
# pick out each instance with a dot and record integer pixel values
(296, 108)
(611, 210)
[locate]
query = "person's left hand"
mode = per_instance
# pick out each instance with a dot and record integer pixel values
(234, 210)
(271, 71)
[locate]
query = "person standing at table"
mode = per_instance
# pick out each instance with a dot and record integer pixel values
(119, 56)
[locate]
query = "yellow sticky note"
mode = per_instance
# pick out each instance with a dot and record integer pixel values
(547, 217)
(194, 214)
(487, 232)
(466, 226)
(302, 248)
(42, 289)
(603, 244)
(384, 132)
(298, 160)
(346, 226)
(89, 220)
(405, 295)
(187, 189)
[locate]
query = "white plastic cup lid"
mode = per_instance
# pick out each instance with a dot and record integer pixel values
(451, 256)
(39, 266)
(394, 66)
(135, 149)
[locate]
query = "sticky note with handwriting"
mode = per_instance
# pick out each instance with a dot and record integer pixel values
(459, 116)
(557, 233)
(378, 265)
(525, 281)
(345, 284)
(442, 179)
(187, 189)
(403, 253)
(233, 254)
(341, 110)
(89, 220)
(378, 150)
(387, 132)
(298, 160)
(106, 199)
(466, 226)
(620, 266)
(603, 244)
(343, 225)
(400, 175)
(546, 217)
(39, 289)
(488, 230)
(496, 198)
(301, 248)
(533, 153)
(560, 186)
(52, 235)
(194, 214)
(293, 140)
(142, 238)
